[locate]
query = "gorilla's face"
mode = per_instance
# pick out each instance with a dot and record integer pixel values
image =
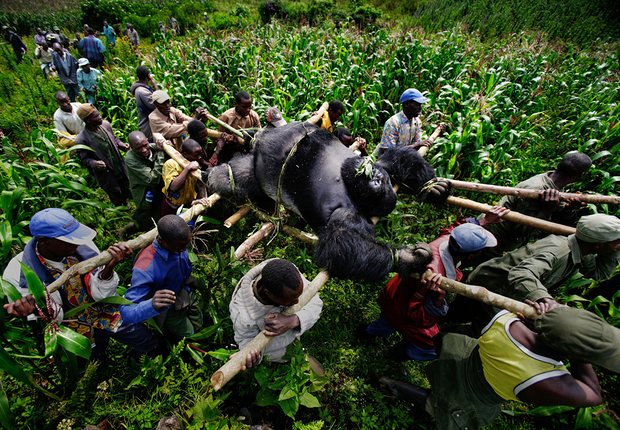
(379, 180)
(372, 193)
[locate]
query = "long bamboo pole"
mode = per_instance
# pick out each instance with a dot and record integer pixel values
(432, 138)
(309, 238)
(517, 217)
(142, 241)
(531, 194)
(237, 360)
(485, 296)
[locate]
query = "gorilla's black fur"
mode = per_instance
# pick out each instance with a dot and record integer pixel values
(314, 175)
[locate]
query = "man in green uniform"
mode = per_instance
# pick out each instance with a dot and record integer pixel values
(512, 235)
(144, 163)
(533, 271)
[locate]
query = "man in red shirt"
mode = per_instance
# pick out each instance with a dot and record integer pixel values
(413, 307)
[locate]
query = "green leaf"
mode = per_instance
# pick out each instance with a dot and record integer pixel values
(290, 406)
(50, 338)
(584, 419)
(205, 333)
(35, 286)
(116, 300)
(287, 393)
(221, 354)
(194, 354)
(13, 368)
(547, 411)
(6, 238)
(308, 400)
(74, 342)
(6, 418)
(10, 291)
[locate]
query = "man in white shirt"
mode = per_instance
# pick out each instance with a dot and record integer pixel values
(257, 304)
(67, 123)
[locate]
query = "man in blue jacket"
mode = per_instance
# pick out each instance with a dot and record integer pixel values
(161, 282)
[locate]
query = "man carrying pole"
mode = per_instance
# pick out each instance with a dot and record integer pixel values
(257, 303)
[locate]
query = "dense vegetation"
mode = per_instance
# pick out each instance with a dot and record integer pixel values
(512, 109)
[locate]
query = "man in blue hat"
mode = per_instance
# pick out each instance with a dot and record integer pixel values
(403, 129)
(58, 242)
(414, 307)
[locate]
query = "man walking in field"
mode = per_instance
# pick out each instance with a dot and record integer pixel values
(104, 162)
(66, 66)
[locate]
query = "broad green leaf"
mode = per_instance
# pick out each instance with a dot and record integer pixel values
(6, 238)
(116, 300)
(10, 291)
(35, 286)
(221, 354)
(290, 406)
(6, 417)
(286, 393)
(74, 342)
(308, 400)
(50, 338)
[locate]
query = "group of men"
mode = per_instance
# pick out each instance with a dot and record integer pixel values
(505, 258)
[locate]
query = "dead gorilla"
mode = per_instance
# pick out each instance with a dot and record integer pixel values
(315, 176)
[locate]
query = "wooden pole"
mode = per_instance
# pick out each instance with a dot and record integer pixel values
(237, 360)
(433, 137)
(265, 230)
(485, 296)
(224, 125)
(305, 237)
(142, 241)
(234, 218)
(517, 217)
(314, 119)
(532, 194)
(176, 156)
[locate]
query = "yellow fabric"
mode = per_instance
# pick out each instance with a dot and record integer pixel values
(326, 123)
(508, 366)
(187, 193)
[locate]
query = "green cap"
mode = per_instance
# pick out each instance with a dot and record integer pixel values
(598, 228)
(581, 335)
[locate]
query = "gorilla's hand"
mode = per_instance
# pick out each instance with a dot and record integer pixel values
(414, 259)
(436, 191)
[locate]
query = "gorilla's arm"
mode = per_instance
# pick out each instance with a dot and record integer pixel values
(408, 168)
(348, 249)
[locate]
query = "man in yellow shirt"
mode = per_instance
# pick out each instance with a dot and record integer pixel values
(180, 186)
(331, 115)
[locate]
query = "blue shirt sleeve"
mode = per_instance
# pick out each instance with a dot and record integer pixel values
(141, 293)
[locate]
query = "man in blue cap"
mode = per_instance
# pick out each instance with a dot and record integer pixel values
(414, 307)
(403, 129)
(58, 242)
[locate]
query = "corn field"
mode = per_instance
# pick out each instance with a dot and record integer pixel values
(511, 109)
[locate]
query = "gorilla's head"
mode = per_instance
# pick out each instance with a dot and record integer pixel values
(369, 187)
